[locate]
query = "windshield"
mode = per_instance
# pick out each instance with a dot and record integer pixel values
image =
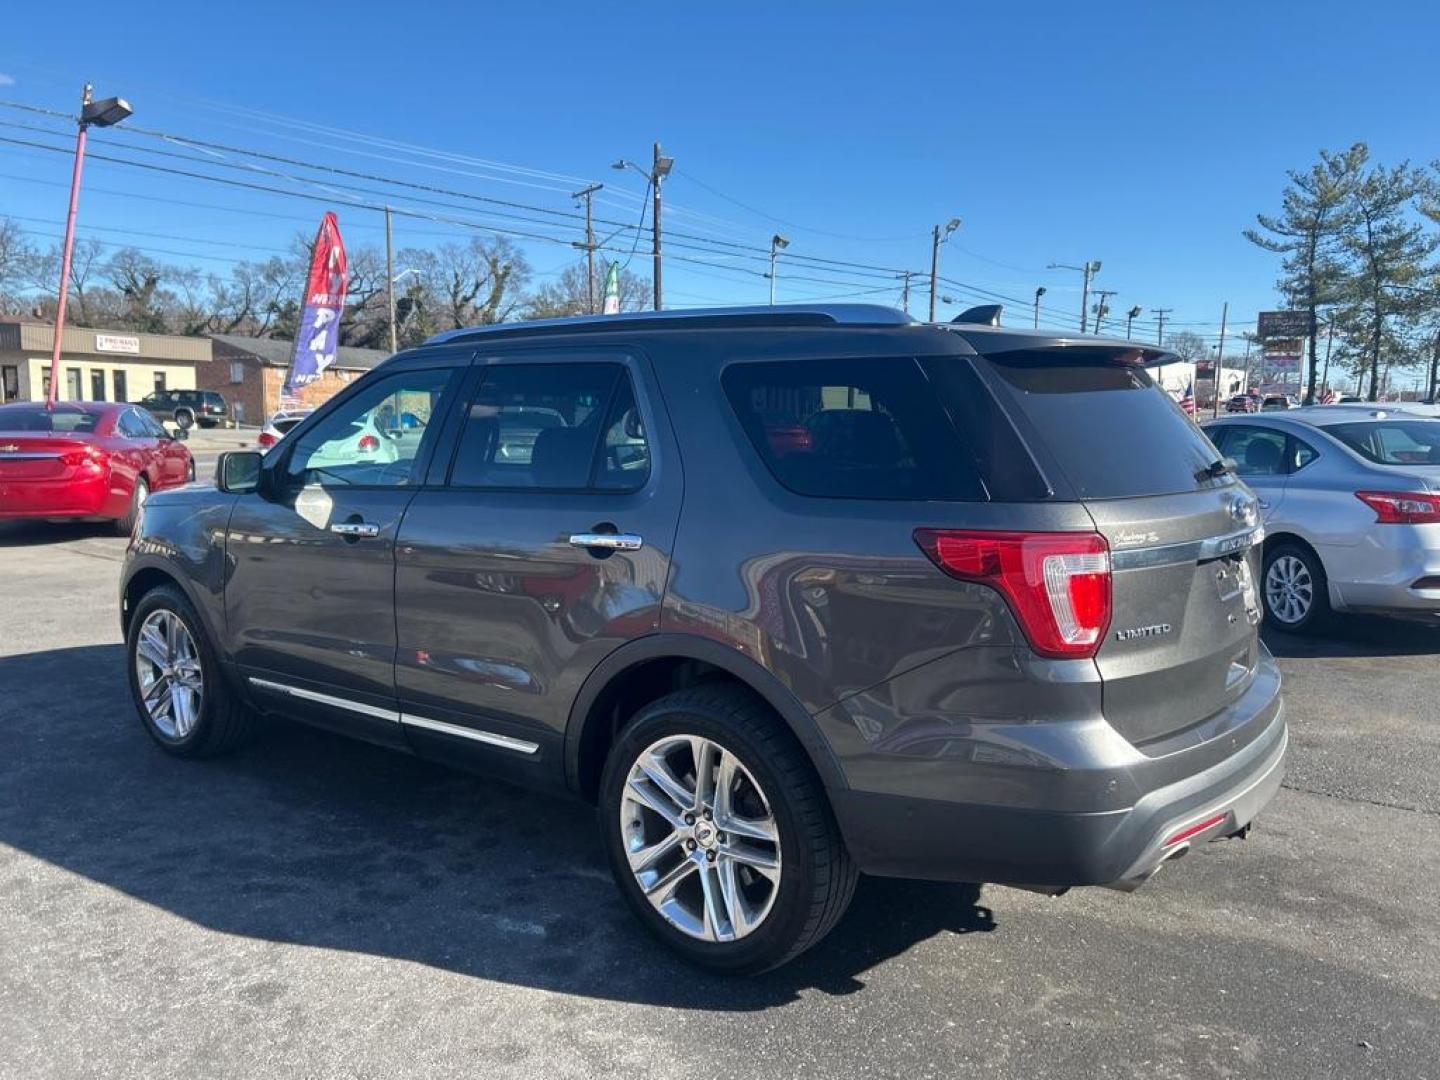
(1392, 442)
(38, 418)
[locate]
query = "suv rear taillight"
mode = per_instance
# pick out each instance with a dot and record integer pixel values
(1402, 507)
(1057, 584)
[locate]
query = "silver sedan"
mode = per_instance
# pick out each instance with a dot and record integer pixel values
(1351, 503)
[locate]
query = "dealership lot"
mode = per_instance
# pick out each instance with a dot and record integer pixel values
(316, 907)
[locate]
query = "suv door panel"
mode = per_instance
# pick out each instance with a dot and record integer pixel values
(309, 606)
(500, 617)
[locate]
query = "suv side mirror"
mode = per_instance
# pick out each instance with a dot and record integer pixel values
(238, 471)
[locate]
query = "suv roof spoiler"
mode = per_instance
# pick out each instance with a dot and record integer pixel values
(989, 338)
(753, 316)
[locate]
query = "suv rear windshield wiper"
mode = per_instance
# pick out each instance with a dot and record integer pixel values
(1216, 469)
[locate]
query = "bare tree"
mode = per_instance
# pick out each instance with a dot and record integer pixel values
(1187, 345)
(570, 294)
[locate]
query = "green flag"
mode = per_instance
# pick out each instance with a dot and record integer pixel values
(612, 290)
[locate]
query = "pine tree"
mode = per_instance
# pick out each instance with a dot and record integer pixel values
(1316, 212)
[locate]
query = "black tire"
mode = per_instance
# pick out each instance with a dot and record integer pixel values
(1318, 613)
(126, 525)
(190, 472)
(224, 721)
(817, 877)
(184, 418)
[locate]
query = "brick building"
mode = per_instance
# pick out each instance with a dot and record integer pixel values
(250, 372)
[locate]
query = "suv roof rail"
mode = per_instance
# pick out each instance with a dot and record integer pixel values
(753, 316)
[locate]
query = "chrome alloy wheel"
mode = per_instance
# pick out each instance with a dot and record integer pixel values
(1289, 589)
(167, 670)
(701, 838)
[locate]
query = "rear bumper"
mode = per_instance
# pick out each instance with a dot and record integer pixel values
(88, 497)
(1227, 774)
(1379, 573)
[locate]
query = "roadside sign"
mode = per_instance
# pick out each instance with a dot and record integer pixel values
(1283, 324)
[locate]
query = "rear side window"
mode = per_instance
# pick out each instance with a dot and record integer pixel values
(553, 427)
(867, 428)
(1392, 442)
(1108, 427)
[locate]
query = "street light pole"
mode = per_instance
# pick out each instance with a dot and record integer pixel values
(659, 170)
(1090, 269)
(1039, 292)
(936, 240)
(1130, 317)
(777, 244)
(102, 114)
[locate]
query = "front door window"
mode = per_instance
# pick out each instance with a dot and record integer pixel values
(375, 438)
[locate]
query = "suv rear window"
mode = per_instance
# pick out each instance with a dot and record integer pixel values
(1109, 428)
(866, 428)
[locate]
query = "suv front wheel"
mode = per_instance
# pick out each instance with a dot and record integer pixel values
(719, 833)
(175, 680)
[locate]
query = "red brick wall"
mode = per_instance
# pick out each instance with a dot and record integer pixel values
(259, 389)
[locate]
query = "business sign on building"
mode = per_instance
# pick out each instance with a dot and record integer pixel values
(117, 343)
(1283, 324)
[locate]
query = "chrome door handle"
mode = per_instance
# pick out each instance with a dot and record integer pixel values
(356, 529)
(608, 541)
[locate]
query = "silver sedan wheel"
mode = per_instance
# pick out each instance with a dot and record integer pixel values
(701, 838)
(167, 669)
(1289, 589)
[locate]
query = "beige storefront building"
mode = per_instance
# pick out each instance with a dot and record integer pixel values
(96, 365)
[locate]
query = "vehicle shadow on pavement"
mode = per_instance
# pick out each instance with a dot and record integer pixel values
(312, 839)
(1358, 636)
(34, 533)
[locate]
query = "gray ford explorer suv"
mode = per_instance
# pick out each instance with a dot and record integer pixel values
(791, 593)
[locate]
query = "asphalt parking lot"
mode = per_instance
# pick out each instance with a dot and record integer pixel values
(314, 907)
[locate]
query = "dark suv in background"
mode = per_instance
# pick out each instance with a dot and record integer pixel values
(186, 407)
(790, 593)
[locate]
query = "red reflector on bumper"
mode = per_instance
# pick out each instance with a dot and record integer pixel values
(1196, 829)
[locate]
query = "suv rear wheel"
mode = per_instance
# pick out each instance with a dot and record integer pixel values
(719, 833)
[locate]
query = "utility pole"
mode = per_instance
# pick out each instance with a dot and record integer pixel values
(905, 292)
(588, 195)
(1039, 292)
(1102, 307)
(390, 282)
(1220, 358)
(1130, 317)
(1330, 340)
(936, 240)
(1160, 313)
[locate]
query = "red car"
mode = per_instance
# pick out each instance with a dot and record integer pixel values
(85, 460)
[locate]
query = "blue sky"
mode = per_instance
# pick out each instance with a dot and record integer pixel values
(1145, 135)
